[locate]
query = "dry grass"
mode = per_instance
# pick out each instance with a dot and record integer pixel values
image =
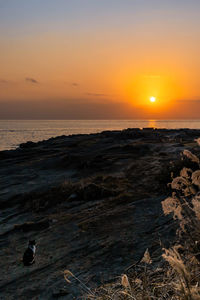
(98, 187)
(178, 276)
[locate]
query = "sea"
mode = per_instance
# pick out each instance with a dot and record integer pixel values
(15, 132)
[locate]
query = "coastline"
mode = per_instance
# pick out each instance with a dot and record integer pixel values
(15, 132)
(91, 201)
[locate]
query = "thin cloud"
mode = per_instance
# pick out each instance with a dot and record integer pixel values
(96, 95)
(3, 81)
(188, 101)
(31, 80)
(75, 84)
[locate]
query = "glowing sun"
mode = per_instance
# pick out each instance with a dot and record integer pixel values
(152, 99)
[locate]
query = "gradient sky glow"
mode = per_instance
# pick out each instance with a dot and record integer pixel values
(90, 59)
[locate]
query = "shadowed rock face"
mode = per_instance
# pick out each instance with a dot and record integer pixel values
(91, 202)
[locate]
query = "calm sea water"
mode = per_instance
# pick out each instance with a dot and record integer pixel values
(12, 133)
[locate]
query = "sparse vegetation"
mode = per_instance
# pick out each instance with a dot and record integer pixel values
(92, 188)
(177, 275)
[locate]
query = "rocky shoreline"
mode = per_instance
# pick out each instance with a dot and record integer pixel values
(92, 203)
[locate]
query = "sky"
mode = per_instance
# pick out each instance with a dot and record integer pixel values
(99, 59)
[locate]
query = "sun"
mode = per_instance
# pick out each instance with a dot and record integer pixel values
(152, 99)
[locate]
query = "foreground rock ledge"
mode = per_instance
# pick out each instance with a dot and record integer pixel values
(93, 204)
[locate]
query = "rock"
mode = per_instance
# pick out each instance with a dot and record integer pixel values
(100, 193)
(60, 293)
(72, 196)
(32, 226)
(27, 145)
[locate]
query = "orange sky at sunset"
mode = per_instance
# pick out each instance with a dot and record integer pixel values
(99, 60)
